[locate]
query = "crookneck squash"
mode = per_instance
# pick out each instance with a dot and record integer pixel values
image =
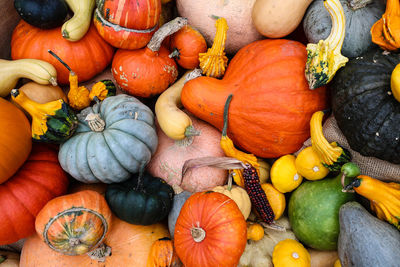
(114, 138)
(365, 109)
(77, 26)
(272, 105)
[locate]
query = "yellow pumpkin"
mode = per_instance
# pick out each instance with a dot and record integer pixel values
(275, 198)
(255, 231)
(237, 194)
(291, 253)
(309, 165)
(284, 175)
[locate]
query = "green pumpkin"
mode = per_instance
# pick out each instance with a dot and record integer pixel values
(140, 200)
(114, 139)
(365, 109)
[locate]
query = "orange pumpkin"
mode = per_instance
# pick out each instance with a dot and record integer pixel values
(210, 231)
(186, 44)
(16, 141)
(74, 224)
(87, 57)
(162, 254)
(130, 247)
(272, 106)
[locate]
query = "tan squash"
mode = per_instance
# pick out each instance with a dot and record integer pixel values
(76, 27)
(276, 19)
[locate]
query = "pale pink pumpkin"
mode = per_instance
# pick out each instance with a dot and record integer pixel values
(170, 156)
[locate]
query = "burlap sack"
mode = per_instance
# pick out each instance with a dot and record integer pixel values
(370, 166)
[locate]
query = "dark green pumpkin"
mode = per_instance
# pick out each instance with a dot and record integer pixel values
(144, 201)
(364, 107)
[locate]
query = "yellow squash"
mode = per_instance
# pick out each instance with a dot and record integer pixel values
(291, 253)
(284, 175)
(309, 165)
(275, 198)
(76, 27)
(255, 231)
(395, 82)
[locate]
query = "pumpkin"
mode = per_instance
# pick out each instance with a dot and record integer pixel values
(22, 197)
(186, 44)
(130, 246)
(201, 15)
(360, 16)
(255, 231)
(277, 19)
(16, 143)
(201, 237)
(177, 203)
(114, 138)
(148, 71)
(272, 105)
(365, 110)
(168, 160)
(74, 224)
(290, 252)
(87, 57)
(162, 254)
(142, 200)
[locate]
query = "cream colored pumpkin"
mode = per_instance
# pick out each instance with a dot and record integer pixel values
(239, 195)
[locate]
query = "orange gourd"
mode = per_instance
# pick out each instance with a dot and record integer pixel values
(210, 231)
(270, 113)
(162, 254)
(16, 142)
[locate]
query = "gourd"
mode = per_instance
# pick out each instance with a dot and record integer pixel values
(309, 164)
(87, 57)
(148, 71)
(201, 228)
(9, 259)
(175, 123)
(76, 27)
(51, 122)
(127, 24)
(275, 198)
(201, 14)
(290, 252)
(278, 19)
(323, 258)
(384, 197)
(114, 139)
(74, 224)
(43, 14)
(385, 31)
(13, 70)
(162, 254)
(364, 107)
(284, 175)
(314, 209)
(168, 160)
(22, 197)
(142, 200)
(277, 87)
(177, 203)
(366, 240)
(123, 238)
(186, 45)
(255, 231)
(16, 142)
(360, 16)
(325, 58)
(42, 93)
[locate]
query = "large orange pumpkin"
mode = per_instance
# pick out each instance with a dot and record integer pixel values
(40, 179)
(87, 57)
(271, 107)
(130, 247)
(16, 141)
(210, 231)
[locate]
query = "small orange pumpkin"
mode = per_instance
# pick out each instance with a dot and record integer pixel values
(162, 254)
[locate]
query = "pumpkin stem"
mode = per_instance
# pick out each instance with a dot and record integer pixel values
(3, 258)
(165, 30)
(175, 53)
(193, 75)
(198, 234)
(191, 131)
(225, 117)
(230, 181)
(100, 253)
(139, 185)
(357, 4)
(96, 123)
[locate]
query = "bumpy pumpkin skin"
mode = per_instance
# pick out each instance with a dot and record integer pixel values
(123, 147)
(317, 25)
(271, 106)
(365, 110)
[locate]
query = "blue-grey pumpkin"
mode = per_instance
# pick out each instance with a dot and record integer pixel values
(360, 16)
(114, 139)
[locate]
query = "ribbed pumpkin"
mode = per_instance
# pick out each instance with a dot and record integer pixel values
(114, 139)
(162, 254)
(364, 107)
(74, 224)
(16, 142)
(210, 231)
(272, 105)
(87, 57)
(130, 247)
(39, 180)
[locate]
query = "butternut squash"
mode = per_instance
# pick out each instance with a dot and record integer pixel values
(276, 19)
(76, 27)
(37, 70)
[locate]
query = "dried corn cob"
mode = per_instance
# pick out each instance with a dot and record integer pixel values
(257, 195)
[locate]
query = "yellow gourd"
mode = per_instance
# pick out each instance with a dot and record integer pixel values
(76, 27)
(309, 165)
(255, 231)
(284, 175)
(275, 198)
(395, 82)
(325, 58)
(214, 61)
(291, 253)
(337, 263)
